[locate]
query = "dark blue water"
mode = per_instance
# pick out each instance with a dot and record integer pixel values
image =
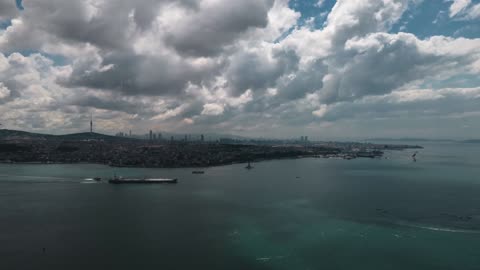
(286, 214)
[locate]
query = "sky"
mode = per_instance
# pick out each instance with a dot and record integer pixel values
(346, 69)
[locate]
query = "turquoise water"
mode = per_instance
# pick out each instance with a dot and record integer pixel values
(285, 214)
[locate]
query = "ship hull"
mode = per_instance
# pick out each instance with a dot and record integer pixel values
(142, 181)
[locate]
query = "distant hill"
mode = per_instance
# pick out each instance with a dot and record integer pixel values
(18, 134)
(90, 136)
(6, 134)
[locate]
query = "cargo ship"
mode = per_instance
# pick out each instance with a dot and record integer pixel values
(121, 180)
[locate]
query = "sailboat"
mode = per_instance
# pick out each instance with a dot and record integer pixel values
(249, 166)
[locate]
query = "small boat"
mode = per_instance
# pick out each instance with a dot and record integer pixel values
(414, 156)
(198, 172)
(121, 180)
(97, 179)
(249, 166)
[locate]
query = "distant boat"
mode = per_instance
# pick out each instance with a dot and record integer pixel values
(121, 180)
(249, 166)
(414, 156)
(97, 179)
(198, 172)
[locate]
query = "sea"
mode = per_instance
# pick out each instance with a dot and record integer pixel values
(295, 214)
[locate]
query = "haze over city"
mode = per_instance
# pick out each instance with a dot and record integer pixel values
(327, 69)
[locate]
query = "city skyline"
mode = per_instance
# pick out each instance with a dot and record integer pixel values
(254, 68)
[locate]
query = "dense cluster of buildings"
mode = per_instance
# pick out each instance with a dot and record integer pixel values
(139, 153)
(152, 136)
(153, 150)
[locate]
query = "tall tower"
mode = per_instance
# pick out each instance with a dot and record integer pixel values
(91, 124)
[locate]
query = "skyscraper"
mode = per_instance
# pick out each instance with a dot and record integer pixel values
(91, 124)
(151, 135)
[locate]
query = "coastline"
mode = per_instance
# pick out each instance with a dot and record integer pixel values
(118, 152)
(219, 164)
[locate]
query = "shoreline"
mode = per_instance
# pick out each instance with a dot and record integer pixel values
(191, 165)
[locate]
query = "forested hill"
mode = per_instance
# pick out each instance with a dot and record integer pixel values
(6, 134)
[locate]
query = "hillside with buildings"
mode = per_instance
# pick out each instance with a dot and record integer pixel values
(121, 151)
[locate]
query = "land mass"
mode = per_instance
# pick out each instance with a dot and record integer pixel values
(25, 147)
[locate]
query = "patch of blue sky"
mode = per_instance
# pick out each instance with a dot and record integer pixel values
(312, 12)
(457, 81)
(19, 4)
(431, 18)
(316, 9)
(58, 60)
(4, 24)
(283, 35)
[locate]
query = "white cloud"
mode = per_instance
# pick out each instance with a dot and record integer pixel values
(458, 6)
(169, 113)
(473, 13)
(4, 91)
(320, 3)
(8, 9)
(212, 109)
(464, 10)
(321, 111)
(191, 64)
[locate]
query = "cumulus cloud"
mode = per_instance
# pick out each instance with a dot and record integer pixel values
(426, 103)
(473, 13)
(213, 25)
(464, 10)
(8, 10)
(458, 6)
(382, 62)
(236, 66)
(4, 91)
(212, 109)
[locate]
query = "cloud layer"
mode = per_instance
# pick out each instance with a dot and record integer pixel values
(252, 67)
